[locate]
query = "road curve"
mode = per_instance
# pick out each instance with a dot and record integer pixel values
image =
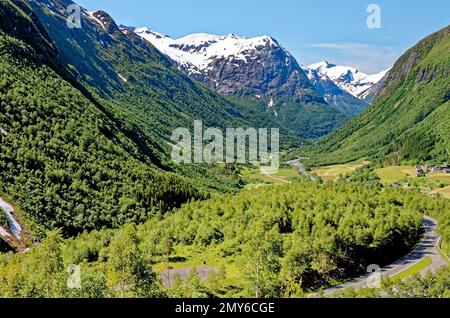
(426, 248)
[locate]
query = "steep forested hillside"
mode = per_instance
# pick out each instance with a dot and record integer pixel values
(409, 120)
(310, 121)
(86, 116)
(85, 120)
(65, 162)
(143, 84)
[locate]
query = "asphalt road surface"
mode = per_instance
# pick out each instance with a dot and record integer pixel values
(426, 248)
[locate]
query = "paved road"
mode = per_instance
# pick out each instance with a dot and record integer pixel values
(4, 233)
(426, 248)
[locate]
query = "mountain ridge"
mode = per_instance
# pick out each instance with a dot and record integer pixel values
(195, 52)
(231, 64)
(263, 75)
(349, 78)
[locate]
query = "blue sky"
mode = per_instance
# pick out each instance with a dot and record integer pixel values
(312, 30)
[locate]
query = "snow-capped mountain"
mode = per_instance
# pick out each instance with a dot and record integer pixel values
(348, 78)
(197, 51)
(334, 95)
(269, 77)
(237, 65)
(234, 64)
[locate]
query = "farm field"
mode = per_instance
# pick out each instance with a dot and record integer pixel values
(389, 175)
(331, 173)
(445, 192)
(441, 177)
(254, 177)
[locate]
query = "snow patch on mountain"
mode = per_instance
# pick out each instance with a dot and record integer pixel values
(348, 78)
(196, 52)
(123, 78)
(100, 21)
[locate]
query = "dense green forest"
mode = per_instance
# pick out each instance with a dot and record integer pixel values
(82, 148)
(410, 118)
(279, 241)
(64, 161)
(309, 121)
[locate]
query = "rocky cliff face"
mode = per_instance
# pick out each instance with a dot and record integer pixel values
(266, 70)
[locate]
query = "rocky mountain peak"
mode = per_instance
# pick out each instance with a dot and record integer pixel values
(104, 20)
(233, 64)
(347, 78)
